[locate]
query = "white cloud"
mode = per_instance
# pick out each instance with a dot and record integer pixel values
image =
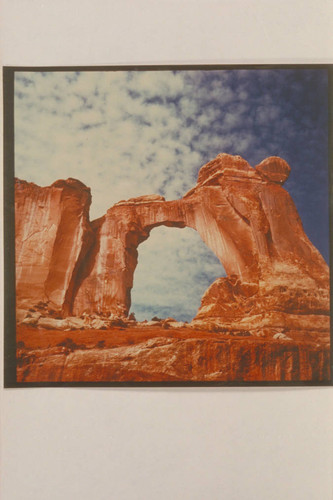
(154, 83)
(89, 125)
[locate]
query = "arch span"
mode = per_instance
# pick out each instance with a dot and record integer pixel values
(107, 288)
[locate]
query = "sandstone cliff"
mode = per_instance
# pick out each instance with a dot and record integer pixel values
(52, 236)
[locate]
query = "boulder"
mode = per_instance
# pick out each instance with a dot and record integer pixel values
(75, 323)
(176, 324)
(274, 169)
(98, 324)
(52, 324)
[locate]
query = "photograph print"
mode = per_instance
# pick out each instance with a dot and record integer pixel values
(167, 226)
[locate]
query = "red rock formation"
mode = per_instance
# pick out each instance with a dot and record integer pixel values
(275, 275)
(252, 225)
(289, 278)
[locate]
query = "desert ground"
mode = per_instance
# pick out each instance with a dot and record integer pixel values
(153, 353)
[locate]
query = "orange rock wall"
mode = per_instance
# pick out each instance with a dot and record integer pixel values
(52, 235)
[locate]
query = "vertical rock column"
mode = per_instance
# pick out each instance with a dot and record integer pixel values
(52, 236)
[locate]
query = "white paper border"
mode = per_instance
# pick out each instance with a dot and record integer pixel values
(199, 443)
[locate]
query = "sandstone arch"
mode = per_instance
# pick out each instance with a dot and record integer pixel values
(242, 213)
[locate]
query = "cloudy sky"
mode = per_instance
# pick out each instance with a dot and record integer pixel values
(127, 134)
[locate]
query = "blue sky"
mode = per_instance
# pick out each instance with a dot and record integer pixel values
(126, 134)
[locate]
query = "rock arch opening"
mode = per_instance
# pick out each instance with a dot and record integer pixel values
(175, 268)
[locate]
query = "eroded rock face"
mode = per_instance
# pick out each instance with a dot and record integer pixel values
(276, 277)
(178, 357)
(52, 236)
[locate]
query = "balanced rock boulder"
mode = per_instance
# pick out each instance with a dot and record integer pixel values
(274, 169)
